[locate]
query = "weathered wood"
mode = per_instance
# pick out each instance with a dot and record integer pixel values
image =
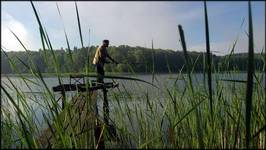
(105, 108)
(82, 87)
(82, 118)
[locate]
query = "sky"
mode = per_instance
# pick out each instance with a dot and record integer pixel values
(134, 23)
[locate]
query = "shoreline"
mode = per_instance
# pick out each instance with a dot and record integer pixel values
(112, 73)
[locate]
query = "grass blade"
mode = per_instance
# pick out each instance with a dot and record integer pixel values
(12, 63)
(80, 33)
(231, 80)
(209, 65)
(260, 130)
(13, 102)
(153, 59)
(184, 116)
(250, 77)
(188, 62)
(67, 41)
(183, 43)
(25, 132)
(40, 27)
(43, 45)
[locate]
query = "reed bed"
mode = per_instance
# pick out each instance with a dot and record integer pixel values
(227, 113)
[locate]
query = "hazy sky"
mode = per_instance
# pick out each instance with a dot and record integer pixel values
(134, 23)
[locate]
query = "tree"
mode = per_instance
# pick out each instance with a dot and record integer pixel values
(140, 59)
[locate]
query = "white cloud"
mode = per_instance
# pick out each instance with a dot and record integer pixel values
(131, 23)
(8, 39)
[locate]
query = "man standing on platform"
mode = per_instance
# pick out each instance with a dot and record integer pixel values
(100, 59)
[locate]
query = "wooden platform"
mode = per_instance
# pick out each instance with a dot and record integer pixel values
(78, 118)
(82, 87)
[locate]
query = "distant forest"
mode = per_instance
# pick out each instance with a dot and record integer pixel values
(132, 59)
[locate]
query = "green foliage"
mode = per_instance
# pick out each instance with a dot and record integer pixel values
(139, 58)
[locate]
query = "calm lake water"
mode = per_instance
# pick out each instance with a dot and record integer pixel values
(138, 90)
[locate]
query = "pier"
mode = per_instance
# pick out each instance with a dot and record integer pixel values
(80, 115)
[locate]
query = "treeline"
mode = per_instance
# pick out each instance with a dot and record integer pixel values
(132, 59)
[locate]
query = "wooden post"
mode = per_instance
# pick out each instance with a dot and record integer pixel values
(98, 127)
(105, 108)
(63, 98)
(97, 134)
(97, 130)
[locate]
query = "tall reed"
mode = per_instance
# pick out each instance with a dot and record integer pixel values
(249, 91)
(209, 65)
(173, 115)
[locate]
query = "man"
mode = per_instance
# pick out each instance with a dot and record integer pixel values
(100, 59)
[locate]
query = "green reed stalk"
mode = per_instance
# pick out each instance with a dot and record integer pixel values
(67, 41)
(80, 33)
(189, 70)
(188, 63)
(209, 65)
(153, 61)
(249, 90)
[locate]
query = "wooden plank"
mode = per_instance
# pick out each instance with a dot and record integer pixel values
(82, 87)
(82, 120)
(82, 115)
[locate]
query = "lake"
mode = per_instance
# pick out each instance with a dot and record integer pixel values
(137, 91)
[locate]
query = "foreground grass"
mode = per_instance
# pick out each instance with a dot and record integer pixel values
(209, 115)
(167, 119)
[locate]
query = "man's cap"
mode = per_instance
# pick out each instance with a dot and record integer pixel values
(105, 41)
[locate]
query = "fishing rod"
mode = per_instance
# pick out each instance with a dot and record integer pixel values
(132, 63)
(112, 77)
(127, 63)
